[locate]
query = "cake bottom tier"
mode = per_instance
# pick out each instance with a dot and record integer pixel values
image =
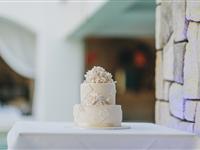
(97, 116)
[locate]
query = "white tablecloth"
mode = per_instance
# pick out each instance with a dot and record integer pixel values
(38, 135)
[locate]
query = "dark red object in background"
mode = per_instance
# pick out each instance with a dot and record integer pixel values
(139, 59)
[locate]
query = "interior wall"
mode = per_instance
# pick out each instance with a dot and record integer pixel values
(17, 47)
(177, 64)
(59, 61)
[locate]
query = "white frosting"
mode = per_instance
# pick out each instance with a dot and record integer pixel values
(98, 116)
(91, 92)
(97, 108)
(95, 99)
(98, 75)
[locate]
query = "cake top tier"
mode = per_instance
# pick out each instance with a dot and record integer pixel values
(98, 75)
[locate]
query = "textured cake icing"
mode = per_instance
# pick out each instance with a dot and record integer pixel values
(98, 91)
(97, 108)
(98, 75)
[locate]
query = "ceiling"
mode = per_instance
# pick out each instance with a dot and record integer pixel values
(131, 18)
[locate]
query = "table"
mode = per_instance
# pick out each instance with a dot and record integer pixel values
(51, 135)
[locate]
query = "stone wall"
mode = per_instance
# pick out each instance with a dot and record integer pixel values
(178, 64)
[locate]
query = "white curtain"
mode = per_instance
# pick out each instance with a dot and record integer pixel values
(17, 47)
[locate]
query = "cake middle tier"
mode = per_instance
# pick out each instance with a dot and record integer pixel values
(97, 116)
(105, 90)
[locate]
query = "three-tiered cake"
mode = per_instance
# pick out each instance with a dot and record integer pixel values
(98, 108)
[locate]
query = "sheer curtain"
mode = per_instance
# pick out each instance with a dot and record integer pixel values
(17, 47)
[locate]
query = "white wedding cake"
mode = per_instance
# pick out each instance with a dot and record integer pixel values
(98, 108)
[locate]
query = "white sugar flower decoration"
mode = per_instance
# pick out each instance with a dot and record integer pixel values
(98, 75)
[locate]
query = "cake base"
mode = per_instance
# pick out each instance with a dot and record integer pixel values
(97, 116)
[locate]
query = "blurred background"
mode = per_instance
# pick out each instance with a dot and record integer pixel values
(46, 47)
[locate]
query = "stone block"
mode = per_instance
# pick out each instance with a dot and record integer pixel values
(164, 118)
(179, 53)
(164, 24)
(159, 75)
(197, 120)
(173, 60)
(193, 10)
(190, 110)
(159, 42)
(168, 60)
(164, 114)
(176, 100)
(180, 23)
(192, 63)
(182, 125)
(157, 112)
(166, 88)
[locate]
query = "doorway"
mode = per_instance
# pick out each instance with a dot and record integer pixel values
(131, 62)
